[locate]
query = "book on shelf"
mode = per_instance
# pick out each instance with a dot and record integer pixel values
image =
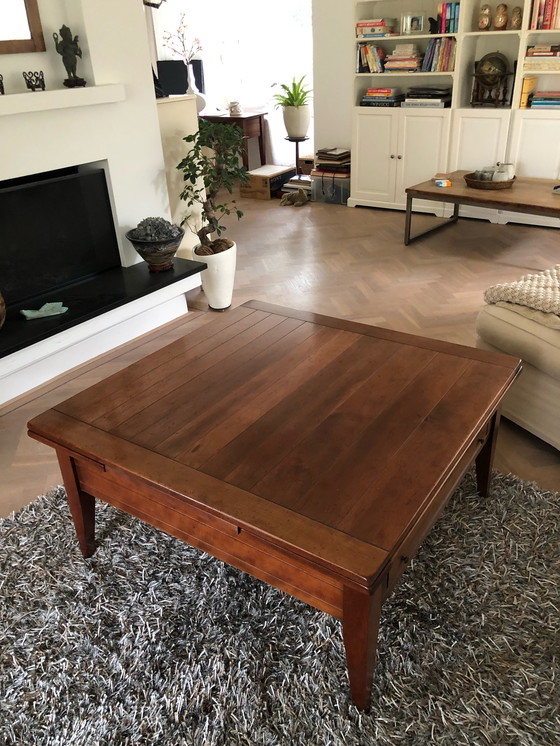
(377, 22)
(381, 99)
(329, 174)
(428, 99)
(382, 91)
(545, 15)
(545, 106)
(543, 50)
(370, 58)
(547, 94)
(425, 104)
(333, 154)
(448, 18)
(528, 87)
(542, 65)
(428, 90)
(381, 103)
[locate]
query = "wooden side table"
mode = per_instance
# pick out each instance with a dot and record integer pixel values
(252, 124)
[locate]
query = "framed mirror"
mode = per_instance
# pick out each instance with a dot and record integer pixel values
(20, 27)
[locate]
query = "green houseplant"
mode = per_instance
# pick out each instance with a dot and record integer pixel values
(295, 107)
(211, 169)
(157, 241)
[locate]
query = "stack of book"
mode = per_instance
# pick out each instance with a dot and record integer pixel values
(376, 27)
(545, 14)
(428, 97)
(370, 58)
(448, 18)
(382, 97)
(297, 182)
(334, 162)
(404, 58)
(440, 55)
(542, 57)
(545, 100)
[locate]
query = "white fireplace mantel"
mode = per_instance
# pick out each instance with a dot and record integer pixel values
(64, 98)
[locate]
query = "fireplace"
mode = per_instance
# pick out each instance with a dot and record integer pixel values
(57, 229)
(59, 243)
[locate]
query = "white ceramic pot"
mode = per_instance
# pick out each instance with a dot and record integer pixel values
(296, 120)
(219, 278)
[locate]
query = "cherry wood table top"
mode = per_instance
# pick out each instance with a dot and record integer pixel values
(312, 452)
(527, 195)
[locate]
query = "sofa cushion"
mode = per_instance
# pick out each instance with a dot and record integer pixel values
(522, 337)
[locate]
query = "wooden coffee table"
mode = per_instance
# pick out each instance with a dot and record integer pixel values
(311, 452)
(533, 196)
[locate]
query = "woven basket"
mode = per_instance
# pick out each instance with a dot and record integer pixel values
(477, 184)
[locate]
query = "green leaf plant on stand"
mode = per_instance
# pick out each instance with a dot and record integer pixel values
(295, 107)
(211, 169)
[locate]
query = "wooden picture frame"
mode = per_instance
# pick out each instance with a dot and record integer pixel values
(414, 23)
(36, 42)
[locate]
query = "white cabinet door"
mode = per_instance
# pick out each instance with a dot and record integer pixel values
(422, 150)
(393, 149)
(535, 143)
(535, 151)
(374, 154)
(479, 138)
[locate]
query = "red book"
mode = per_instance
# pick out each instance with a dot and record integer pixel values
(443, 17)
(547, 16)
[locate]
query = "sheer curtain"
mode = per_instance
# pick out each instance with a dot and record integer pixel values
(249, 47)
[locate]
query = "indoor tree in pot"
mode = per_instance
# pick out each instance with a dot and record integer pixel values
(212, 166)
(295, 107)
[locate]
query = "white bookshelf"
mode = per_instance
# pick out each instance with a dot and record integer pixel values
(466, 136)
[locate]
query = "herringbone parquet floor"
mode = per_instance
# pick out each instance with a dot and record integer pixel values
(340, 261)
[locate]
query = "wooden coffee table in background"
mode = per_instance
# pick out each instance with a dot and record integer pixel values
(533, 196)
(311, 452)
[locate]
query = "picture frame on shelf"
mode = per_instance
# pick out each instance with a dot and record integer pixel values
(414, 23)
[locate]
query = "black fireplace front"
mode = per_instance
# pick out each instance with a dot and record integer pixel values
(58, 244)
(56, 229)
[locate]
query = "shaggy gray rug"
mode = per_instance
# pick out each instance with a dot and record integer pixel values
(152, 642)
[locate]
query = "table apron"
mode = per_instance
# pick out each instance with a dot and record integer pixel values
(221, 538)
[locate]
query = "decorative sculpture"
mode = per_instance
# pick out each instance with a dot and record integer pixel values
(501, 17)
(516, 18)
(35, 81)
(69, 49)
(484, 18)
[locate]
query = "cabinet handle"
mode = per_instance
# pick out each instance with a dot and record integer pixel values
(399, 157)
(392, 156)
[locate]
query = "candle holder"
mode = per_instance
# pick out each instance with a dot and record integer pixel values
(35, 81)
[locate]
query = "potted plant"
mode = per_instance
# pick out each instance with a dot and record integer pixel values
(157, 241)
(212, 166)
(295, 107)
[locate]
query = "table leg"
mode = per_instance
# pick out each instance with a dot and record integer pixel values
(82, 505)
(360, 626)
(485, 458)
(407, 219)
(262, 145)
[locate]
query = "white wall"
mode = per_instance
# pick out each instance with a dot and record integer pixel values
(333, 66)
(125, 133)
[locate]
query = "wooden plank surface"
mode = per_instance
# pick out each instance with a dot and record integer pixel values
(326, 425)
(528, 195)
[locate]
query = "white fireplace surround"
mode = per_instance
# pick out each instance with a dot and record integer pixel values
(114, 121)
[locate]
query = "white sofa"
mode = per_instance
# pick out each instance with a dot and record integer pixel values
(532, 334)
